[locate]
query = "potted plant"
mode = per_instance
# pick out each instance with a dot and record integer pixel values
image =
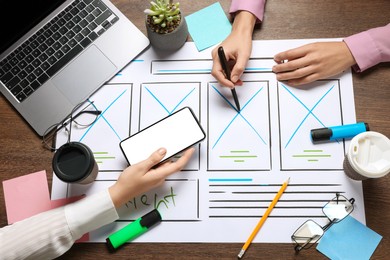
(165, 25)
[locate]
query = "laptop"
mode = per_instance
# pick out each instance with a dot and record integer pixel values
(55, 53)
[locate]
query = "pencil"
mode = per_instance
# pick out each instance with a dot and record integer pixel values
(263, 218)
(226, 69)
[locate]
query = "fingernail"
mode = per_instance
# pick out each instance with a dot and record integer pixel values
(234, 78)
(162, 151)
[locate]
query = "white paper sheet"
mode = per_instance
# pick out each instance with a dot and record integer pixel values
(235, 173)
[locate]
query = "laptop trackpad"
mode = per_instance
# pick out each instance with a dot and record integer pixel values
(79, 79)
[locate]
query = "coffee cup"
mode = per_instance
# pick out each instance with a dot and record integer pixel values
(368, 156)
(74, 162)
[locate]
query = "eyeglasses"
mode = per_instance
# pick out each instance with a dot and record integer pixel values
(310, 232)
(84, 118)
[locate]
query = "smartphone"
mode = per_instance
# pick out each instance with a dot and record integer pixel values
(175, 133)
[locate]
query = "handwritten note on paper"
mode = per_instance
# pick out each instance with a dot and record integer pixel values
(238, 169)
(349, 239)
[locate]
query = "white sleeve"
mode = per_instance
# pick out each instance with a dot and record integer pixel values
(51, 233)
(89, 214)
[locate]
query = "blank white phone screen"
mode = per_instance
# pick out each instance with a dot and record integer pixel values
(175, 133)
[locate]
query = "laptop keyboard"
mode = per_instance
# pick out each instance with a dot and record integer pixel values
(54, 45)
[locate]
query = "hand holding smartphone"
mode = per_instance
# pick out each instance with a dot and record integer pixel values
(175, 133)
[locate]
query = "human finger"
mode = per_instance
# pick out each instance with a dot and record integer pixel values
(239, 68)
(304, 80)
(152, 160)
(295, 74)
(219, 75)
(292, 54)
(168, 168)
(291, 65)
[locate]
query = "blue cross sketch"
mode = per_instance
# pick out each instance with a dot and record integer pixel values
(101, 116)
(310, 111)
(163, 106)
(238, 113)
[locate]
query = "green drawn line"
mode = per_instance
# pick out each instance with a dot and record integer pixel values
(239, 151)
(105, 157)
(312, 160)
(99, 162)
(314, 155)
(100, 153)
(239, 160)
(313, 151)
(237, 156)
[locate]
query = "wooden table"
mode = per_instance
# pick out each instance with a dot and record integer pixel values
(21, 151)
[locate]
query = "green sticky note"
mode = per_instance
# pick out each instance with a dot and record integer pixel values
(208, 26)
(349, 239)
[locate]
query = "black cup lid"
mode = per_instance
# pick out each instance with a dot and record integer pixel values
(73, 162)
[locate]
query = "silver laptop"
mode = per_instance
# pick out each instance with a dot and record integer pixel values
(56, 53)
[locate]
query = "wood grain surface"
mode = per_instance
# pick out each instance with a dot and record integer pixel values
(21, 151)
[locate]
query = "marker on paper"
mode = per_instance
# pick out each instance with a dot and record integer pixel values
(133, 230)
(338, 132)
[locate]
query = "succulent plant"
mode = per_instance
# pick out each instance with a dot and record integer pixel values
(163, 13)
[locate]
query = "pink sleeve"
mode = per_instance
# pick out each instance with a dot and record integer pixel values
(256, 7)
(370, 47)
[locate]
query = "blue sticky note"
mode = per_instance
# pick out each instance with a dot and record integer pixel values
(208, 26)
(349, 239)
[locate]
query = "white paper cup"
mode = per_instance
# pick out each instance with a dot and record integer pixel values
(368, 156)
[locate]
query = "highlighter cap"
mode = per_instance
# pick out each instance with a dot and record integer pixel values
(151, 218)
(321, 134)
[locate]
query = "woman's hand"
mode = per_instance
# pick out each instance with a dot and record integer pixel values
(237, 47)
(142, 177)
(312, 61)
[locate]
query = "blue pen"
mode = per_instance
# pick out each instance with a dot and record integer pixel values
(338, 132)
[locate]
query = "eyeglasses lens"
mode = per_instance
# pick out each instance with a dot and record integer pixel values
(338, 208)
(309, 232)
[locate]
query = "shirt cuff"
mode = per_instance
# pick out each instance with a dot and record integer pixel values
(256, 7)
(364, 50)
(370, 47)
(90, 213)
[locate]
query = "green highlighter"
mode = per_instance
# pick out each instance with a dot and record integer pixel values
(133, 230)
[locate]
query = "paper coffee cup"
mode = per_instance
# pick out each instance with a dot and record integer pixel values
(74, 163)
(368, 156)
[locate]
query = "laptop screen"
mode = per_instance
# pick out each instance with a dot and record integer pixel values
(24, 15)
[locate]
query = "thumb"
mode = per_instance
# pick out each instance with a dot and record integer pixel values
(153, 159)
(238, 69)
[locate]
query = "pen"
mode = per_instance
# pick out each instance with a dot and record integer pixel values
(263, 218)
(226, 69)
(338, 132)
(133, 230)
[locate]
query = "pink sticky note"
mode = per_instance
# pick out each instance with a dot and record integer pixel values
(62, 202)
(26, 196)
(29, 195)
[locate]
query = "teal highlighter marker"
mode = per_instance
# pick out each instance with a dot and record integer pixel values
(338, 132)
(133, 230)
